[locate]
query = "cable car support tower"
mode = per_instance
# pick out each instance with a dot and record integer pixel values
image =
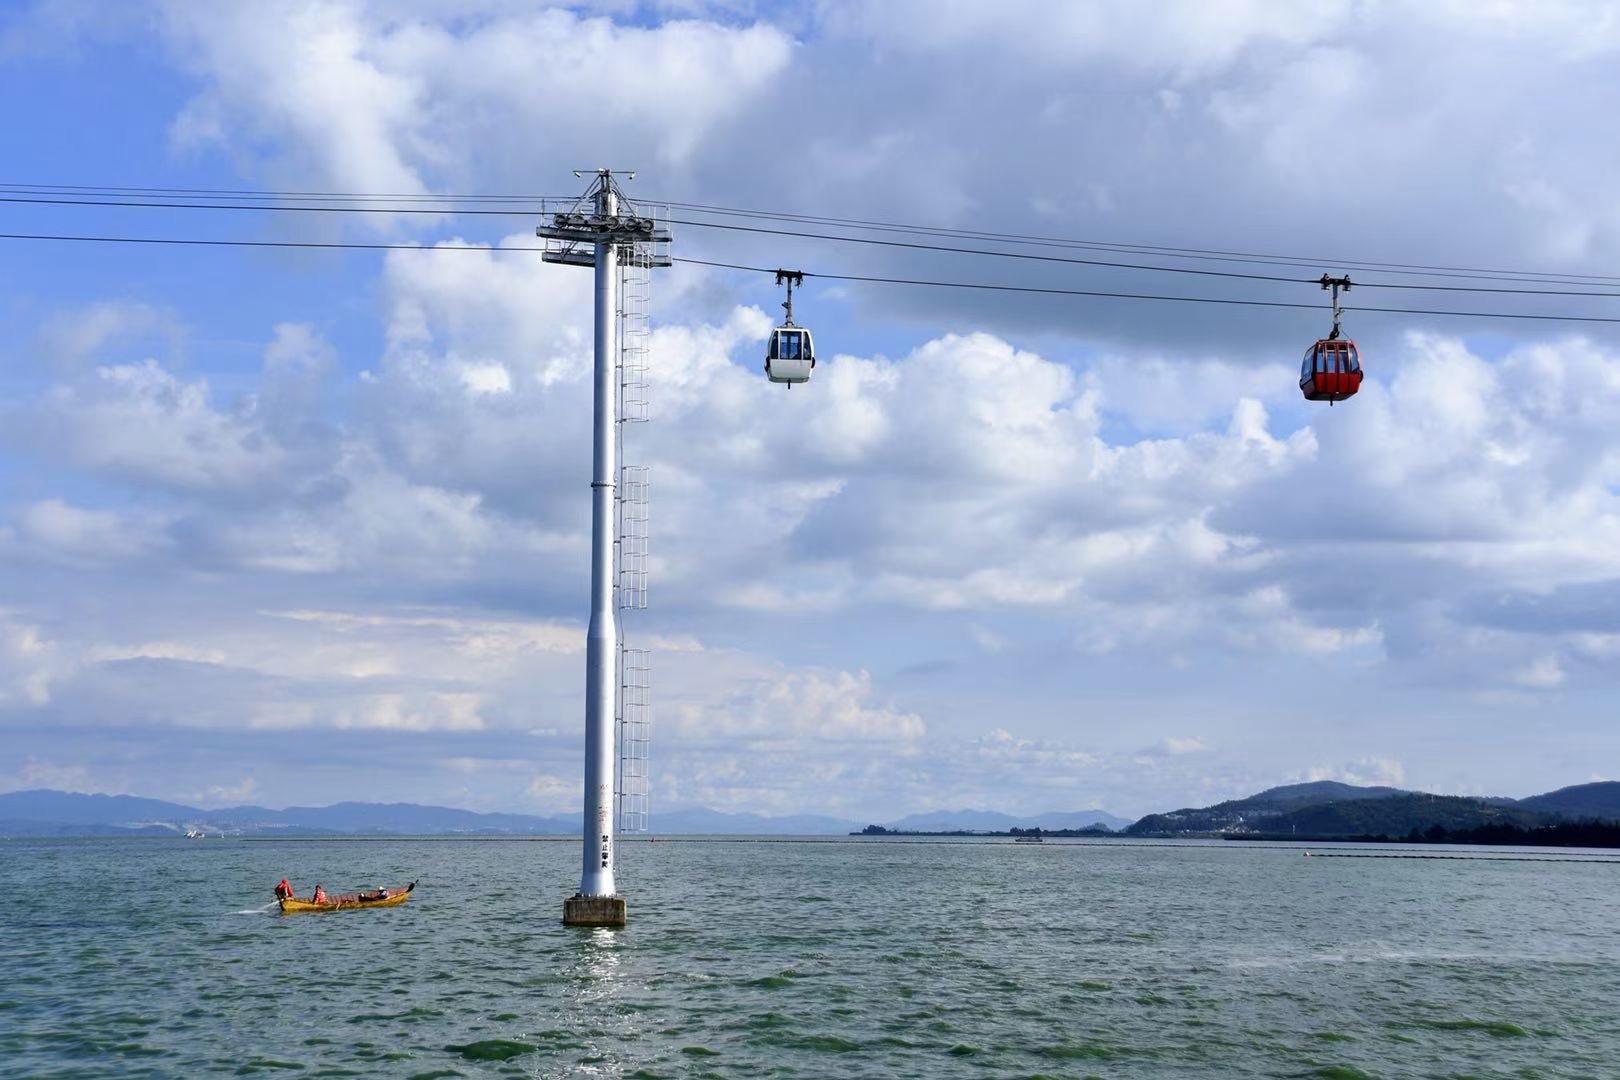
(604, 230)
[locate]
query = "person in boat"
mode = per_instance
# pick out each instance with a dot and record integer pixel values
(284, 890)
(380, 894)
(320, 895)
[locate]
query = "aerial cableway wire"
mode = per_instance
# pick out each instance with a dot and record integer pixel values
(527, 201)
(1139, 266)
(526, 207)
(1148, 296)
(1203, 254)
(900, 244)
(694, 224)
(869, 279)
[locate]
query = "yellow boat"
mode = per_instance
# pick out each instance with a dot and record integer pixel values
(349, 901)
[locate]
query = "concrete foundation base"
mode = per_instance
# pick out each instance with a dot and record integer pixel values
(593, 911)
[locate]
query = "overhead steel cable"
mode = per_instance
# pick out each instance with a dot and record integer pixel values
(134, 201)
(694, 224)
(527, 201)
(1414, 269)
(244, 193)
(900, 244)
(870, 279)
(356, 245)
(1148, 296)
(1140, 266)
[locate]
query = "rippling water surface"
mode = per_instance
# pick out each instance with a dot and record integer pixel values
(857, 958)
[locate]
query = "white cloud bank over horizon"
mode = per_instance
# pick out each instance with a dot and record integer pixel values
(893, 504)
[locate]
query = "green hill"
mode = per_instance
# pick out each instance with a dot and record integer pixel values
(1327, 808)
(1257, 813)
(1320, 791)
(1600, 801)
(1399, 815)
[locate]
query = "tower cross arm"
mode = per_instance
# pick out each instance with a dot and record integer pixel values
(619, 228)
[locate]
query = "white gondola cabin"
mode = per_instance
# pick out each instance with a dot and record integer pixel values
(790, 355)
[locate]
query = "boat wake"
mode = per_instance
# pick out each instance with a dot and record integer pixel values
(265, 910)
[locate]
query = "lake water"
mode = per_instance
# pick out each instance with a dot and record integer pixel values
(810, 959)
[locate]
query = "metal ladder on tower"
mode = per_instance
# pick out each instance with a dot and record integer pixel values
(630, 582)
(635, 738)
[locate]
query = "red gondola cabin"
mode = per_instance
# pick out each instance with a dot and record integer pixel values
(1331, 371)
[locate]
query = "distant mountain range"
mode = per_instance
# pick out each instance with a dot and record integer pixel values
(1320, 809)
(60, 813)
(1327, 808)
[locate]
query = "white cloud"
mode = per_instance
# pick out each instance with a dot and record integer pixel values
(142, 422)
(487, 379)
(473, 638)
(389, 104)
(1173, 746)
(883, 490)
(1367, 771)
(1544, 673)
(228, 794)
(1273, 624)
(554, 794)
(28, 662)
(1177, 394)
(988, 640)
(1000, 748)
(44, 774)
(158, 650)
(1183, 37)
(71, 339)
(77, 535)
(376, 711)
(797, 705)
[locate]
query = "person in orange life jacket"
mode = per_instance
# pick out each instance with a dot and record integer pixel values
(320, 895)
(284, 890)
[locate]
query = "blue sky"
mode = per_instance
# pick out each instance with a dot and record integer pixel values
(296, 526)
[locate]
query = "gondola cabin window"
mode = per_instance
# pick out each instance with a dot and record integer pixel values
(788, 345)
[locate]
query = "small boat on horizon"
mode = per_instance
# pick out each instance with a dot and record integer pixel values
(291, 905)
(1035, 839)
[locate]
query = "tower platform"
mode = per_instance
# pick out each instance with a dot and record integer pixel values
(593, 911)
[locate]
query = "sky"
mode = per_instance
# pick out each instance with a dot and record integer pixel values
(299, 526)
